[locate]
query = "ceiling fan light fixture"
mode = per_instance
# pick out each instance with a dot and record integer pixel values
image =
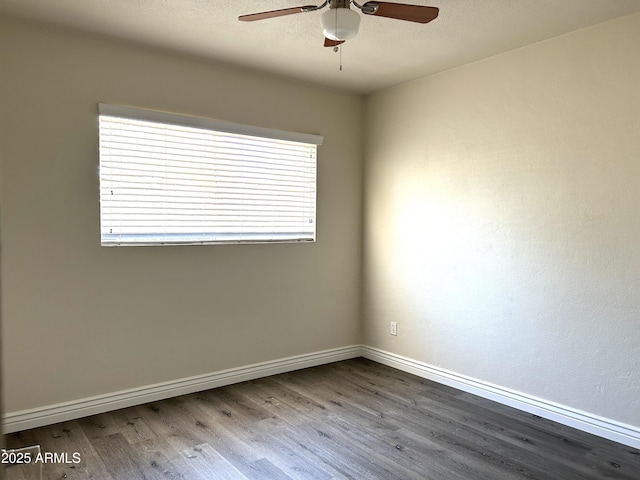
(340, 23)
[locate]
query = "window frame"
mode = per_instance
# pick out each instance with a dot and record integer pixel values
(215, 126)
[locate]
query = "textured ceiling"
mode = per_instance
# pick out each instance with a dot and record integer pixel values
(385, 52)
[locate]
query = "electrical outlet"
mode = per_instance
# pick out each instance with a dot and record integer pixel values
(394, 328)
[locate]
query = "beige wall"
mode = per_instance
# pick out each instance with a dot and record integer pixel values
(502, 221)
(81, 320)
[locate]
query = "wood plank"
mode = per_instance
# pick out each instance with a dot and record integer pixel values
(211, 465)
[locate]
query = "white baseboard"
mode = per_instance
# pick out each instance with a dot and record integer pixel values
(62, 412)
(72, 410)
(602, 427)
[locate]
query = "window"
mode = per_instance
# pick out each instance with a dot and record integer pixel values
(173, 179)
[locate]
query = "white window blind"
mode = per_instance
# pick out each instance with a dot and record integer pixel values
(172, 179)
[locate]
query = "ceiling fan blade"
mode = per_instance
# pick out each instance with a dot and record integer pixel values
(252, 17)
(332, 43)
(401, 11)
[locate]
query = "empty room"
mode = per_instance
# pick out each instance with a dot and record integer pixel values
(255, 240)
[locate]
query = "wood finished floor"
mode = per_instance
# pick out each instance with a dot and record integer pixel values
(348, 420)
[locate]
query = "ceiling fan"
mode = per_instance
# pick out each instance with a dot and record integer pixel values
(340, 23)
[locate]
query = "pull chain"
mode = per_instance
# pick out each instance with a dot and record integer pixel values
(339, 49)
